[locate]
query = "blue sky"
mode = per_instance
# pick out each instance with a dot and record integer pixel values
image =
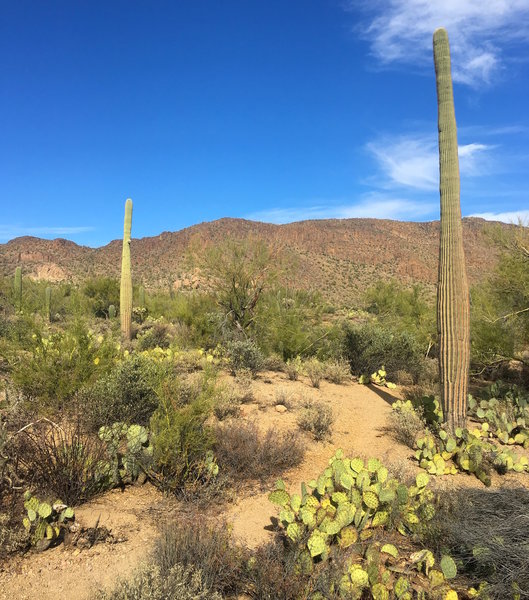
(277, 111)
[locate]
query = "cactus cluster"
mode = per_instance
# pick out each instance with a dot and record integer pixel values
(388, 572)
(44, 520)
(378, 378)
(347, 509)
(130, 452)
(507, 418)
(347, 502)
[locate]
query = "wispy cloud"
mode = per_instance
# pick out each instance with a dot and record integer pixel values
(413, 161)
(8, 232)
(517, 216)
(374, 206)
(401, 31)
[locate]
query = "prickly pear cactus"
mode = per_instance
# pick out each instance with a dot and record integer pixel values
(45, 521)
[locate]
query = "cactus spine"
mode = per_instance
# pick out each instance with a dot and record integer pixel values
(125, 296)
(48, 303)
(18, 288)
(452, 289)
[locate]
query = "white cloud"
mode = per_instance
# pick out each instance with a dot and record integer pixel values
(402, 32)
(372, 206)
(413, 161)
(8, 232)
(517, 216)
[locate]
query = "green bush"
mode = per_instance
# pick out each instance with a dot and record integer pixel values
(316, 418)
(244, 355)
(368, 346)
(101, 292)
(60, 364)
(127, 393)
(181, 439)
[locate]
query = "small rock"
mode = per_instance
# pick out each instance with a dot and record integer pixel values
(281, 408)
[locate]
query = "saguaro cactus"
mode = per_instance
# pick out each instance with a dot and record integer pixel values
(125, 295)
(48, 303)
(452, 289)
(18, 288)
(111, 312)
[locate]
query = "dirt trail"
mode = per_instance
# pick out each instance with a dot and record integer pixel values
(360, 413)
(361, 416)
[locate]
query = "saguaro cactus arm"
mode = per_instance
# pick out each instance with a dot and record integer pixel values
(125, 296)
(453, 321)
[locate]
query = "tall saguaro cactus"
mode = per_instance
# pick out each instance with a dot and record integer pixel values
(125, 295)
(453, 321)
(18, 288)
(47, 294)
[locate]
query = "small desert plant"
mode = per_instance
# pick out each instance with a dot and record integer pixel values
(156, 336)
(314, 370)
(293, 368)
(61, 462)
(337, 371)
(13, 537)
(316, 418)
(244, 354)
(228, 404)
(274, 362)
(243, 453)
(193, 543)
(407, 424)
(45, 521)
(148, 583)
(284, 397)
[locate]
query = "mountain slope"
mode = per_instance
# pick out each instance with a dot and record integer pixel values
(339, 257)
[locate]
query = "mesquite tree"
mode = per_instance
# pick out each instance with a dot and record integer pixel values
(453, 322)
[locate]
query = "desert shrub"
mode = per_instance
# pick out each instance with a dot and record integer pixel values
(243, 386)
(148, 583)
(227, 404)
(486, 531)
(13, 537)
(274, 362)
(62, 462)
(127, 393)
(407, 425)
(181, 439)
(293, 368)
(244, 355)
(316, 418)
(336, 371)
(60, 364)
(156, 336)
(368, 346)
(243, 453)
(283, 396)
(314, 370)
(193, 543)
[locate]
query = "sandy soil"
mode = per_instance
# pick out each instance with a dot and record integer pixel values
(361, 416)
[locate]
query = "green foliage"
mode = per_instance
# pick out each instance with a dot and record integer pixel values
(59, 364)
(401, 308)
(351, 502)
(18, 288)
(504, 414)
(45, 521)
(337, 371)
(128, 393)
(244, 355)
(314, 370)
(377, 378)
(293, 368)
(47, 303)
(368, 346)
(129, 450)
(181, 439)
(101, 292)
(470, 451)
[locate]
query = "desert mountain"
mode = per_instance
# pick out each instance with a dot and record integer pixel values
(339, 257)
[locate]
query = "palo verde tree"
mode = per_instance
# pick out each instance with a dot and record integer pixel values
(125, 294)
(237, 272)
(453, 318)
